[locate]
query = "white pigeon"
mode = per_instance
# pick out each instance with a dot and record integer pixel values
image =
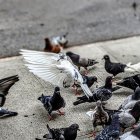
(57, 69)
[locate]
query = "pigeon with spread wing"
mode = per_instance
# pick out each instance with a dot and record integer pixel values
(57, 69)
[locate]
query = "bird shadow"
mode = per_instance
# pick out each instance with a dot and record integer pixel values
(83, 107)
(123, 93)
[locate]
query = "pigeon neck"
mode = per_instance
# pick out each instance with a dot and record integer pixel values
(107, 61)
(100, 108)
(108, 85)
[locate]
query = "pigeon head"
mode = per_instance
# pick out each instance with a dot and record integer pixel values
(94, 78)
(108, 82)
(41, 98)
(106, 57)
(62, 40)
(57, 89)
(74, 127)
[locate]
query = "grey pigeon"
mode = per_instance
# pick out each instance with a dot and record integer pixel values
(67, 133)
(103, 93)
(112, 131)
(53, 103)
(130, 82)
(131, 100)
(130, 117)
(116, 68)
(81, 62)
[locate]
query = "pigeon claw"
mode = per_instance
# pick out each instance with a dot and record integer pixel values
(77, 93)
(93, 134)
(61, 113)
(86, 72)
(50, 118)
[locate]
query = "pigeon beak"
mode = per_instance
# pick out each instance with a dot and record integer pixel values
(79, 129)
(102, 58)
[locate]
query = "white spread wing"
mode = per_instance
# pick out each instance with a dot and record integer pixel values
(57, 69)
(48, 67)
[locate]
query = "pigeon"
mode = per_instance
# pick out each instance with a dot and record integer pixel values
(116, 68)
(55, 45)
(6, 113)
(68, 133)
(98, 116)
(103, 93)
(60, 40)
(81, 62)
(89, 80)
(5, 85)
(130, 82)
(52, 48)
(112, 131)
(131, 100)
(130, 117)
(53, 103)
(57, 69)
(131, 135)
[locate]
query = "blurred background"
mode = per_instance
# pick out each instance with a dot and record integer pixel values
(25, 23)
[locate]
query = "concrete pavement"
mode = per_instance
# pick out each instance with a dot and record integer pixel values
(23, 95)
(26, 23)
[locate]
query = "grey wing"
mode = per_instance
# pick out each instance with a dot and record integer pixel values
(125, 102)
(126, 119)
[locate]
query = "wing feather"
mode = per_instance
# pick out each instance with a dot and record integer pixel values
(57, 69)
(44, 65)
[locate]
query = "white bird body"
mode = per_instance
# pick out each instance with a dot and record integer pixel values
(57, 69)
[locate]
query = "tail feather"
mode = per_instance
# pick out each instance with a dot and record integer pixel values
(132, 68)
(6, 113)
(78, 102)
(86, 90)
(6, 83)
